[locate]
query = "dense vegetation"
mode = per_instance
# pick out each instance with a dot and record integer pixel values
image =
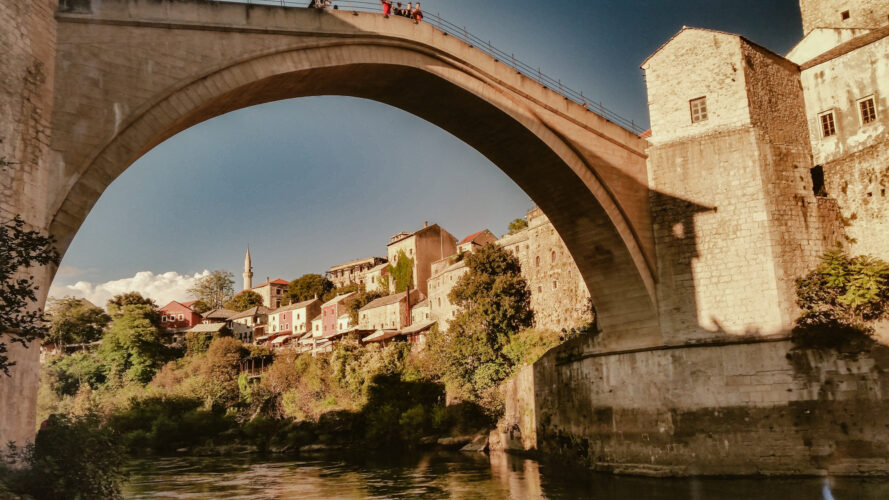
(153, 398)
(841, 300)
(247, 299)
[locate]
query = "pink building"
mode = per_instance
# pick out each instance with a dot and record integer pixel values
(179, 316)
(331, 312)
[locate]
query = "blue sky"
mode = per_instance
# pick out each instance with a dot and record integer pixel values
(314, 182)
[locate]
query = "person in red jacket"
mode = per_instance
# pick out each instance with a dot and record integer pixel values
(387, 7)
(417, 14)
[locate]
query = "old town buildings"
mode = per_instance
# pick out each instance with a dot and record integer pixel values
(354, 272)
(558, 294)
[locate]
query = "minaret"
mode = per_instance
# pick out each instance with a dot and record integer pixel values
(248, 271)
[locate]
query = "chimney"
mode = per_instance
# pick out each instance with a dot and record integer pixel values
(426, 224)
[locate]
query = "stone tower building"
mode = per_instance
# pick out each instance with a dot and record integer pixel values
(845, 14)
(845, 77)
(248, 271)
(729, 131)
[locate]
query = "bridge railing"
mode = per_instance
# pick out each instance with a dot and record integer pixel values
(461, 33)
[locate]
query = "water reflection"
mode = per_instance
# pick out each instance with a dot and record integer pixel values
(452, 476)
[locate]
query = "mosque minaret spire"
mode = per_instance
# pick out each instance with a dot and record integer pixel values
(248, 271)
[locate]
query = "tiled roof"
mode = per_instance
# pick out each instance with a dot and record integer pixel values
(189, 303)
(422, 303)
(207, 328)
(645, 135)
(278, 281)
(845, 48)
(473, 236)
(385, 301)
(253, 311)
(337, 299)
(294, 307)
(220, 313)
(418, 327)
(356, 262)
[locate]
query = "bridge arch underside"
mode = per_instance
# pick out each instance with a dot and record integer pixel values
(562, 177)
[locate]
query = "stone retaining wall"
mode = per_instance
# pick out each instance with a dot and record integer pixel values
(754, 407)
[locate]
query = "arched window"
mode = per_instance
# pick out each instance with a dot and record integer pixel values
(537, 261)
(553, 256)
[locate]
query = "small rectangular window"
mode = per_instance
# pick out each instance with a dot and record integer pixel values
(868, 110)
(845, 15)
(698, 109)
(828, 124)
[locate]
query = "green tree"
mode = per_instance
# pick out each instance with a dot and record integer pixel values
(201, 307)
(495, 305)
(244, 300)
(219, 371)
(66, 374)
(402, 272)
(309, 286)
(118, 304)
(134, 345)
(842, 296)
(75, 321)
(20, 251)
(517, 225)
(214, 290)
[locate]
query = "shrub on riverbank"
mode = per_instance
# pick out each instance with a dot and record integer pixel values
(70, 458)
(841, 299)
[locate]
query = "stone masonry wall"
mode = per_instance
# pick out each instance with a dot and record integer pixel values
(860, 184)
(27, 51)
(715, 271)
(747, 408)
(559, 295)
(696, 63)
(800, 228)
(828, 13)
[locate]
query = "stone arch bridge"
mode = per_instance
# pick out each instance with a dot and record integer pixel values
(689, 351)
(108, 80)
(130, 74)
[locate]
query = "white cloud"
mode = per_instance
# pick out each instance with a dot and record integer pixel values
(161, 287)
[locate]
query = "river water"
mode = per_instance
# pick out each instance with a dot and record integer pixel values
(452, 475)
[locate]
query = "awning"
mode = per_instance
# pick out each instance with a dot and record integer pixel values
(280, 340)
(418, 327)
(381, 335)
(262, 338)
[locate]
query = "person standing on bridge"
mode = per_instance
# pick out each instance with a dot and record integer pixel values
(417, 14)
(387, 7)
(407, 11)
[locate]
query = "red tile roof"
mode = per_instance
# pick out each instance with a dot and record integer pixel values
(646, 134)
(278, 281)
(189, 303)
(472, 237)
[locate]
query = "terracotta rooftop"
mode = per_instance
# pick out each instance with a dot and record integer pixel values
(207, 328)
(293, 307)
(385, 301)
(278, 281)
(473, 236)
(253, 311)
(220, 313)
